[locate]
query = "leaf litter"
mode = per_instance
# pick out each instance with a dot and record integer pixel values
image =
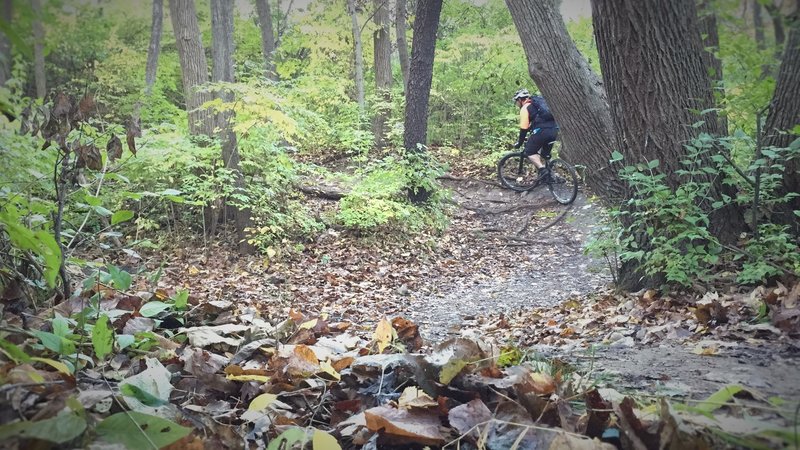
(312, 350)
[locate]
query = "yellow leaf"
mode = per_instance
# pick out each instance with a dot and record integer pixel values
(327, 367)
(261, 402)
(309, 325)
(414, 397)
(451, 369)
(58, 365)
(193, 270)
(383, 334)
(324, 441)
(706, 351)
(260, 378)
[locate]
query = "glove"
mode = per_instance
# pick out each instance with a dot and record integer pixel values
(515, 145)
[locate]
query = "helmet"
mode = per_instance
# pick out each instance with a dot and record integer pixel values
(520, 94)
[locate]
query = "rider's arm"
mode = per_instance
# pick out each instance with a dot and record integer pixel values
(524, 126)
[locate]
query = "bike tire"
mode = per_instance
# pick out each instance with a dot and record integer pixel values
(516, 172)
(563, 182)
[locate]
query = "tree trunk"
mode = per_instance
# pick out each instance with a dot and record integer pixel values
(222, 57)
(710, 37)
(39, 75)
(383, 71)
(358, 53)
(651, 55)
(267, 36)
(758, 25)
(777, 25)
(420, 74)
(420, 77)
(7, 15)
(194, 67)
(402, 42)
(574, 92)
(155, 46)
(784, 115)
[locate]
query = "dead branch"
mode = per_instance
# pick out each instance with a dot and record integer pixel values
(321, 191)
(460, 179)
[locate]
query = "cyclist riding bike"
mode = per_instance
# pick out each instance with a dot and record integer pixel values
(535, 117)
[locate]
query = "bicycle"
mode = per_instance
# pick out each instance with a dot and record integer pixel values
(517, 172)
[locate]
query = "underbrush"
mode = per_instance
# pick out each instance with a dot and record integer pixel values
(666, 231)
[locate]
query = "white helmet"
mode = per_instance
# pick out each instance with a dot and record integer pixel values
(521, 94)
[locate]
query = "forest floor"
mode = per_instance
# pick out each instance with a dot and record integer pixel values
(511, 269)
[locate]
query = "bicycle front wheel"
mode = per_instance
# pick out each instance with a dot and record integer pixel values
(563, 182)
(516, 172)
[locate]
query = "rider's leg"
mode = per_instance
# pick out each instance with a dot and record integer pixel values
(532, 147)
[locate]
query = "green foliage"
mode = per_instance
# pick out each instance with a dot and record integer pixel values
(773, 252)
(666, 230)
(380, 199)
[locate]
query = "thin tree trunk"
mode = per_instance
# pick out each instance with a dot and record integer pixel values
(7, 15)
(359, 56)
(710, 35)
(402, 42)
(155, 46)
(194, 67)
(758, 24)
(383, 71)
(39, 75)
(777, 25)
(420, 77)
(222, 56)
(784, 115)
(267, 36)
(574, 93)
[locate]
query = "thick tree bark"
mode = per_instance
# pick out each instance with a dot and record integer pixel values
(651, 55)
(358, 54)
(222, 57)
(39, 75)
(383, 71)
(710, 36)
(574, 92)
(194, 67)
(420, 75)
(784, 115)
(267, 36)
(7, 15)
(155, 46)
(402, 42)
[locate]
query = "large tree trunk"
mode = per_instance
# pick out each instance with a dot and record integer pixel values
(358, 53)
(651, 56)
(710, 37)
(420, 75)
(7, 15)
(222, 57)
(784, 115)
(39, 75)
(383, 71)
(155, 46)
(574, 92)
(194, 67)
(267, 36)
(402, 42)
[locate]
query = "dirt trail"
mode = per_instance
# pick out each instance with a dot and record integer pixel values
(552, 268)
(552, 265)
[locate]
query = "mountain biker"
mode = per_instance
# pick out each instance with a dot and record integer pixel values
(535, 117)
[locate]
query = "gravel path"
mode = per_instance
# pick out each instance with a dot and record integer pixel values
(553, 268)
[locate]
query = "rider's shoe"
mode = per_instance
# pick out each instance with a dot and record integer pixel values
(544, 175)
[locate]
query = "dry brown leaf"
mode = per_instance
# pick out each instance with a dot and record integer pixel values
(414, 397)
(418, 426)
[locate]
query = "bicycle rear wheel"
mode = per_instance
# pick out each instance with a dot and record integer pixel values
(516, 172)
(563, 182)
